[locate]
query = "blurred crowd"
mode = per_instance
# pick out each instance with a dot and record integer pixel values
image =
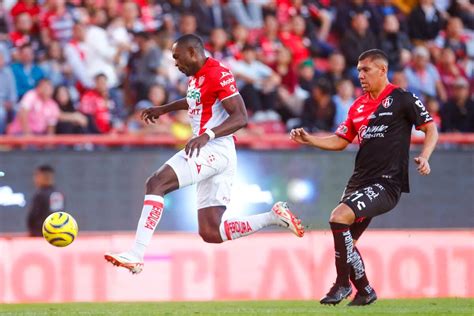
(92, 66)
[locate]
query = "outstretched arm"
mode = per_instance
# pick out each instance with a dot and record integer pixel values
(153, 113)
(431, 137)
(332, 142)
(237, 119)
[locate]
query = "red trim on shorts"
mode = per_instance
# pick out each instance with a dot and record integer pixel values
(153, 203)
(227, 230)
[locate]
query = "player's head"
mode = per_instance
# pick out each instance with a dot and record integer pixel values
(43, 176)
(373, 69)
(188, 53)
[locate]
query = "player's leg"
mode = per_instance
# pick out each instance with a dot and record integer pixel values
(213, 197)
(158, 184)
(366, 203)
(358, 276)
(341, 219)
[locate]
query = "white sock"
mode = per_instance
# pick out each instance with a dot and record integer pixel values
(242, 226)
(149, 219)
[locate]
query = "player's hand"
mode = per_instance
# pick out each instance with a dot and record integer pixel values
(195, 144)
(423, 166)
(151, 114)
(300, 136)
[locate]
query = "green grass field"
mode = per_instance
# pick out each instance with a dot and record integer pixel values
(427, 307)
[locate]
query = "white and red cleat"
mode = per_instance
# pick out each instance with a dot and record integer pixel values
(287, 218)
(126, 260)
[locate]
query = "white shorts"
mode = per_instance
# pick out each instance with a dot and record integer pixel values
(213, 171)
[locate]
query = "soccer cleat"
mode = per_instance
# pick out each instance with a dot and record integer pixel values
(287, 219)
(361, 299)
(336, 294)
(126, 260)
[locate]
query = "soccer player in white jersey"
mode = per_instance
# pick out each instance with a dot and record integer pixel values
(216, 110)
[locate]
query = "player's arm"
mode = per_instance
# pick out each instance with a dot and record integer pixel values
(153, 113)
(237, 119)
(429, 144)
(332, 142)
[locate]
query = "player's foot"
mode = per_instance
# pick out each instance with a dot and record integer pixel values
(126, 260)
(287, 219)
(336, 294)
(361, 299)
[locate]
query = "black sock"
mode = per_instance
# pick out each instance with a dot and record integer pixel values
(358, 276)
(343, 246)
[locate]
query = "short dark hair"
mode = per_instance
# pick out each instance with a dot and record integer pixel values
(45, 168)
(191, 40)
(374, 54)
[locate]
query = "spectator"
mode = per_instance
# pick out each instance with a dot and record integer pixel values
(77, 57)
(462, 9)
(23, 32)
(130, 17)
(449, 71)
(218, 46)
(27, 72)
(30, 7)
(306, 75)
(457, 115)
(55, 67)
(97, 105)
(156, 97)
(336, 70)
(455, 38)
(343, 100)
(347, 10)
(45, 200)
(257, 84)
(248, 14)
(143, 66)
(424, 22)
(400, 79)
(423, 78)
(212, 12)
(187, 24)
(8, 94)
(319, 110)
(70, 120)
(269, 42)
(38, 113)
(295, 39)
(356, 40)
(57, 22)
(432, 105)
(394, 42)
(290, 104)
(240, 37)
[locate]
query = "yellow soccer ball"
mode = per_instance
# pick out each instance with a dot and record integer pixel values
(60, 229)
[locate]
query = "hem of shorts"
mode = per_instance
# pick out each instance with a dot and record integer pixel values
(211, 205)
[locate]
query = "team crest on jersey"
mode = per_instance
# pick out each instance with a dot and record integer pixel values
(387, 102)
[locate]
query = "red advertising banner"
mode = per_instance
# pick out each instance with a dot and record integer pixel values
(265, 266)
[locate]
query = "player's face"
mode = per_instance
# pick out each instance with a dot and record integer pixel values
(183, 59)
(372, 74)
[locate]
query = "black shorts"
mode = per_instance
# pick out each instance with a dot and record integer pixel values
(371, 200)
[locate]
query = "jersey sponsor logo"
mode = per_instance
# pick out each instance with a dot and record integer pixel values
(342, 129)
(195, 95)
(386, 114)
(387, 101)
(224, 74)
(377, 131)
(360, 108)
(227, 82)
(195, 111)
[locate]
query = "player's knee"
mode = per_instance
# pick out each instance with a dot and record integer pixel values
(342, 216)
(210, 236)
(154, 185)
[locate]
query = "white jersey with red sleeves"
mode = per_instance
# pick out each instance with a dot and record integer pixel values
(211, 85)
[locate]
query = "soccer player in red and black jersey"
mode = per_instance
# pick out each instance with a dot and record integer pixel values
(382, 118)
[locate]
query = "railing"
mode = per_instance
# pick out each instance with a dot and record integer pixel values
(266, 141)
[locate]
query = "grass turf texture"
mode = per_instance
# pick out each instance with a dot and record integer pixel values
(452, 306)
